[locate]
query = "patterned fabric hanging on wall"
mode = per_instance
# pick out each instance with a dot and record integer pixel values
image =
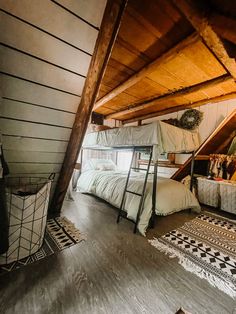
(222, 166)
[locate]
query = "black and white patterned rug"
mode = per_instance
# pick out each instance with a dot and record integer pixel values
(205, 246)
(60, 234)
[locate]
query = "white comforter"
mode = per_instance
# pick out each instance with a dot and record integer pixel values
(172, 196)
(164, 138)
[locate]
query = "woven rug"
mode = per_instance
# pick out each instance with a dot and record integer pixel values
(205, 246)
(60, 234)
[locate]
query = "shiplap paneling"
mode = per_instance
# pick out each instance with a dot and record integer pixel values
(83, 9)
(21, 65)
(214, 114)
(33, 157)
(33, 145)
(15, 88)
(55, 20)
(45, 54)
(35, 175)
(22, 111)
(27, 129)
(27, 168)
(17, 34)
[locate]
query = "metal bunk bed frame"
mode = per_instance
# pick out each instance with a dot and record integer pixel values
(138, 149)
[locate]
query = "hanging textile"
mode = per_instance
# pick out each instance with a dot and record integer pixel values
(222, 166)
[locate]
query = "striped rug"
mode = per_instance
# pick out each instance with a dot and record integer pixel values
(60, 234)
(205, 246)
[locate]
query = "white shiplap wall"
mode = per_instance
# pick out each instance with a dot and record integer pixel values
(214, 114)
(46, 47)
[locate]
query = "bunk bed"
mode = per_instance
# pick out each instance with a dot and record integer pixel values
(140, 194)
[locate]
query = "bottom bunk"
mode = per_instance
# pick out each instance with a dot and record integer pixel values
(108, 183)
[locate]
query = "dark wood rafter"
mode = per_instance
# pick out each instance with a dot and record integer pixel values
(105, 41)
(181, 92)
(201, 22)
(199, 103)
(224, 26)
(169, 55)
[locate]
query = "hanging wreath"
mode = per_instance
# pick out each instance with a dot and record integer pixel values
(191, 119)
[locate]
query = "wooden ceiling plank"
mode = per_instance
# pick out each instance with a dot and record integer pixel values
(181, 92)
(204, 59)
(182, 107)
(166, 79)
(203, 26)
(127, 57)
(180, 67)
(133, 24)
(152, 19)
(104, 44)
(169, 55)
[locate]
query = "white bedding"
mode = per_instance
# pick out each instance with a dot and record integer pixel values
(172, 196)
(164, 138)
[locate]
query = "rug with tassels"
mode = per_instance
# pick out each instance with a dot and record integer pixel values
(205, 246)
(60, 234)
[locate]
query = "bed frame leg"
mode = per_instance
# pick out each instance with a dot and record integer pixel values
(152, 221)
(192, 171)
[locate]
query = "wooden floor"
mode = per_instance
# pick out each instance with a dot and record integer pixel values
(113, 271)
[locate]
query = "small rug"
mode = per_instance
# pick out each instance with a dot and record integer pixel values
(60, 234)
(205, 246)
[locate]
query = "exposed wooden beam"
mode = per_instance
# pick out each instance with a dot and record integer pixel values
(170, 54)
(182, 107)
(201, 23)
(224, 26)
(105, 41)
(181, 92)
(202, 157)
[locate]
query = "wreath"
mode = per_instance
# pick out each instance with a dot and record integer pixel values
(191, 119)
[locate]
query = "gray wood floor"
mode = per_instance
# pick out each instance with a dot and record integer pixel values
(113, 271)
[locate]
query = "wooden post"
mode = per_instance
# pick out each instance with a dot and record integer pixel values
(104, 44)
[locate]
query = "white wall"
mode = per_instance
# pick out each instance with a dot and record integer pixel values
(45, 54)
(214, 114)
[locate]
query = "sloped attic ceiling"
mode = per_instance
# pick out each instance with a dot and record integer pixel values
(164, 60)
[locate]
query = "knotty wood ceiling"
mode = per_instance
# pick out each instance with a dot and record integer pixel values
(159, 31)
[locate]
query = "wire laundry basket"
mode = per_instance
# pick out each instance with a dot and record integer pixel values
(27, 203)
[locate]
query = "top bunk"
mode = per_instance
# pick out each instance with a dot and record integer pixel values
(163, 137)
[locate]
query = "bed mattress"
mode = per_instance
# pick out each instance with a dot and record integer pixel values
(172, 196)
(164, 138)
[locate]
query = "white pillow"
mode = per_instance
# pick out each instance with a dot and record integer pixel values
(100, 164)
